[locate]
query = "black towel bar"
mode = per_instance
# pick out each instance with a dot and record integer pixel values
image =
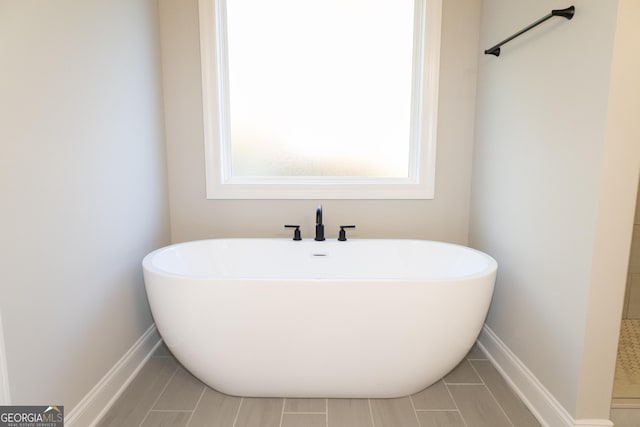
(565, 13)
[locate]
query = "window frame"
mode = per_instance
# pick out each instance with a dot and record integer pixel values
(220, 184)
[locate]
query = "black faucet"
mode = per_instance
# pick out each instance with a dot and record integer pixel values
(319, 225)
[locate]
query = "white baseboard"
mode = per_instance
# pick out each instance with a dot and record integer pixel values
(5, 397)
(98, 401)
(542, 404)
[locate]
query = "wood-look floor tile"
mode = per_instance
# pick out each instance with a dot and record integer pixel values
(305, 405)
(515, 409)
(476, 353)
(304, 420)
(256, 412)
(440, 419)
(182, 392)
(625, 417)
(475, 387)
(477, 406)
(463, 374)
(162, 351)
(167, 419)
(215, 410)
(393, 413)
(434, 397)
(349, 413)
(136, 401)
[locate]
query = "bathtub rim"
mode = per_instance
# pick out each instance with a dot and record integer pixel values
(151, 267)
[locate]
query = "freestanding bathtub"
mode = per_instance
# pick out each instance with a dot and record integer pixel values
(280, 318)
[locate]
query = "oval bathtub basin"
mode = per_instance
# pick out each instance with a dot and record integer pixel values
(280, 318)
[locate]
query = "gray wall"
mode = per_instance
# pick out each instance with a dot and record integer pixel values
(194, 217)
(83, 189)
(555, 173)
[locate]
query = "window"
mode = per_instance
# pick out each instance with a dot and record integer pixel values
(334, 99)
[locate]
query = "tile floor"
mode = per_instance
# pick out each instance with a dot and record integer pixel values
(625, 412)
(625, 406)
(165, 394)
(627, 376)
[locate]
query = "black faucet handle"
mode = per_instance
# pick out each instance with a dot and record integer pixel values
(343, 235)
(296, 232)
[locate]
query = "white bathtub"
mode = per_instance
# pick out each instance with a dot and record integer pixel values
(280, 318)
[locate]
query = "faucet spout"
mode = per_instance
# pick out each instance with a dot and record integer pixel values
(319, 225)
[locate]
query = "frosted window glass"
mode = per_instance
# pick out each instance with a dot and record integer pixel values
(320, 88)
